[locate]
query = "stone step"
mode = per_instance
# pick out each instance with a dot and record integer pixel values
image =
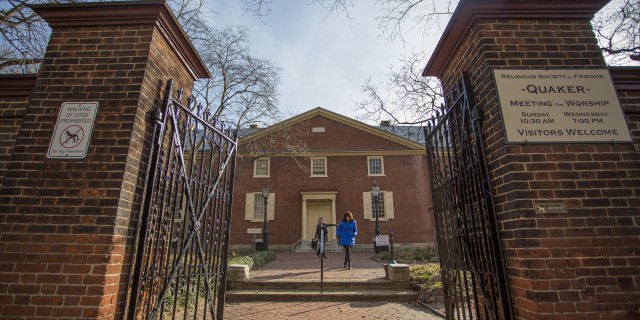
(332, 290)
(246, 295)
(327, 249)
(330, 246)
(380, 284)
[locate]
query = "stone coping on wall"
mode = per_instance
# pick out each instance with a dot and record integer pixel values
(468, 11)
(156, 12)
(626, 78)
(13, 85)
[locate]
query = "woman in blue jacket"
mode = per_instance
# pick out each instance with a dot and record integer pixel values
(347, 231)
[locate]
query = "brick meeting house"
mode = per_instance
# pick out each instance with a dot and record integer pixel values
(320, 164)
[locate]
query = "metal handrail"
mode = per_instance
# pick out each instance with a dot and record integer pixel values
(295, 243)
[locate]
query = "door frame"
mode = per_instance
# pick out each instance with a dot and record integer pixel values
(318, 195)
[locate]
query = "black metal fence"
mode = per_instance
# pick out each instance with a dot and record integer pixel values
(471, 258)
(179, 267)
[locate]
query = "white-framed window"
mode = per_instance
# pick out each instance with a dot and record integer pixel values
(258, 207)
(254, 207)
(261, 168)
(375, 166)
(384, 206)
(319, 167)
(378, 207)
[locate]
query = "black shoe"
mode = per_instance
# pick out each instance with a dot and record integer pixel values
(349, 267)
(324, 256)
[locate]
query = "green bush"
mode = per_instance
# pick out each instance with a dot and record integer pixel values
(428, 277)
(253, 260)
(186, 294)
(409, 255)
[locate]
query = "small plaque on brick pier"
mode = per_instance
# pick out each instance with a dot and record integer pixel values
(550, 207)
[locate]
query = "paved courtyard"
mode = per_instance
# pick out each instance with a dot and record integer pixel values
(292, 266)
(327, 310)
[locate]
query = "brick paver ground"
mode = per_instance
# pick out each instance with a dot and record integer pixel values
(292, 266)
(306, 265)
(327, 310)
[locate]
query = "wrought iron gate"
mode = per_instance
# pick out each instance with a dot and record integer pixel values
(471, 259)
(179, 267)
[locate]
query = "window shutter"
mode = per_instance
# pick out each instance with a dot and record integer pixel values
(366, 203)
(388, 205)
(271, 206)
(248, 206)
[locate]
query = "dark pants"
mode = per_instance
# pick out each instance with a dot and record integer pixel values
(318, 251)
(347, 255)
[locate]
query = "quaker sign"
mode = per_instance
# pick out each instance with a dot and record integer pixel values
(553, 106)
(72, 133)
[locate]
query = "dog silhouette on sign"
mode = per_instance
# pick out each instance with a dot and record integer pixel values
(73, 137)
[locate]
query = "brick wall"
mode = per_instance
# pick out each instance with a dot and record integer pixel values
(66, 225)
(14, 95)
(578, 265)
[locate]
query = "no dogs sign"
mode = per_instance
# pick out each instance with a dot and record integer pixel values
(72, 133)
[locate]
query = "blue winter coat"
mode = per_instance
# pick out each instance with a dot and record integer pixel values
(347, 232)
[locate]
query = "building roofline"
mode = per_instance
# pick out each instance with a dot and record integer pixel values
(334, 116)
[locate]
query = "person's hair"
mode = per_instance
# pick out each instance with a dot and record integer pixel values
(347, 214)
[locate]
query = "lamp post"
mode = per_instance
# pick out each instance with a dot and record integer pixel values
(375, 192)
(265, 228)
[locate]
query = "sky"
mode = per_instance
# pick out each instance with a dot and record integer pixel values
(325, 60)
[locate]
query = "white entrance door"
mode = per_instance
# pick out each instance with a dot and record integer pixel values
(317, 209)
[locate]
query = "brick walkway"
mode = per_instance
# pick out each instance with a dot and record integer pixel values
(306, 265)
(327, 310)
(292, 266)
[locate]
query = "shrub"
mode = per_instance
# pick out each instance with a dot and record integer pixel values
(253, 260)
(409, 255)
(427, 277)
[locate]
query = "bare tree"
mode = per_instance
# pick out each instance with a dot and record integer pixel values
(406, 98)
(243, 88)
(258, 8)
(192, 15)
(618, 30)
(261, 8)
(617, 26)
(286, 139)
(399, 17)
(24, 36)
